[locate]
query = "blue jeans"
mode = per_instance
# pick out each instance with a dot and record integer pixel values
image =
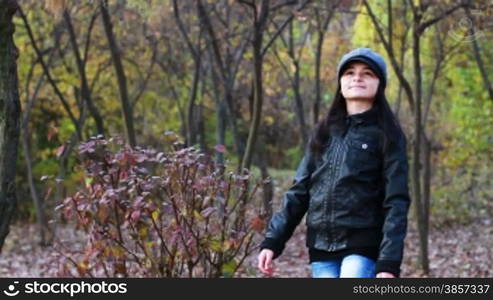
(352, 266)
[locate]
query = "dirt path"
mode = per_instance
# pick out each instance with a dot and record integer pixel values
(460, 251)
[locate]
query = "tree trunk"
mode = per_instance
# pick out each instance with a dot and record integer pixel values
(220, 129)
(191, 118)
(321, 29)
(233, 117)
(63, 159)
(225, 67)
(9, 116)
(397, 107)
(318, 65)
(257, 108)
(267, 187)
(86, 92)
(300, 111)
(38, 202)
(201, 127)
(259, 28)
(477, 54)
(220, 116)
(43, 227)
(120, 73)
(191, 132)
(416, 178)
(26, 140)
(426, 183)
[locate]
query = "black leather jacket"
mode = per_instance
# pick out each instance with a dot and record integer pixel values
(356, 195)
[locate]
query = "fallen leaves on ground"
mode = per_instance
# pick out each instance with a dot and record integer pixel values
(454, 251)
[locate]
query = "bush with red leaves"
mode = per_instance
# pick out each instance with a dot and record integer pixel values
(147, 213)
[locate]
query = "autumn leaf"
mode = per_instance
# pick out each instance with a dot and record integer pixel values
(258, 224)
(135, 216)
(220, 148)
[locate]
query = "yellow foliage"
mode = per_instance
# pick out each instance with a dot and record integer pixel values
(269, 120)
(155, 215)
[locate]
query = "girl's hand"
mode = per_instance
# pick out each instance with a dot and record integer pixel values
(385, 275)
(265, 262)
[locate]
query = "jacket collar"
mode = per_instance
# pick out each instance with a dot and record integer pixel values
(368, 117)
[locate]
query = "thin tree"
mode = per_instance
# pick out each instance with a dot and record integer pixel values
(196, 52)
(295, 50)
(260, 11)
(120, 73)
(324, 12)
(81, 63)
(38, 201)
(226, 62)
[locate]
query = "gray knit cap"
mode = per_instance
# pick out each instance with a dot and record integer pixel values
(367, 56)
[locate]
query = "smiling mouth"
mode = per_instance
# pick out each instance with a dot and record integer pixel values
(358, 86)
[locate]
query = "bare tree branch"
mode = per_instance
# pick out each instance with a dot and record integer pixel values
(65, 104)
(182, 29)
(390, 52)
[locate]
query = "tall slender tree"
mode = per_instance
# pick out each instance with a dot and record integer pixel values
(261, 12)
(120, 73)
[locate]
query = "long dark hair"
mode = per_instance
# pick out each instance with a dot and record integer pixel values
(336, 116)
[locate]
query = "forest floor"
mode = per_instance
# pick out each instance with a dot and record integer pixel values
(455, 251)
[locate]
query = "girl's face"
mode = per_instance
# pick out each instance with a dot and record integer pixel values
(359, 82)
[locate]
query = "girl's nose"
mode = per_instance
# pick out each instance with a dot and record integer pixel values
(357, 77)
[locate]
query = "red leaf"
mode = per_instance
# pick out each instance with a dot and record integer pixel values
(258, 224)
(135, 216)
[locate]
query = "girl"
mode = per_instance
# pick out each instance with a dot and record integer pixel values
(352, 182)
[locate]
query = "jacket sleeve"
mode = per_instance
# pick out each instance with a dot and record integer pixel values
(395, 206)
(294, 207)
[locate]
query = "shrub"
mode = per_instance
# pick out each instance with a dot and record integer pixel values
(159, 214)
